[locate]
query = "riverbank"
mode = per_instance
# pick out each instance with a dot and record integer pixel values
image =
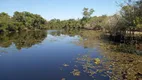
(118, 65)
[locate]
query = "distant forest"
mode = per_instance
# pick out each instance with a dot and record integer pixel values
(126, 22)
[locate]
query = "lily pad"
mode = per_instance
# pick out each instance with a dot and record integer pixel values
(63, 79)
(65, 65)
(97, 61)
(76, 72)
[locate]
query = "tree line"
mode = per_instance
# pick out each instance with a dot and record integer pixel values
(124, 24)
(21, 21)
(128, 18)
(127, 22)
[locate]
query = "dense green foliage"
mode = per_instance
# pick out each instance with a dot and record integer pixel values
(123, 31)
(65, 24)
(21, 21)
(126, 24)
(71, 23)
(128, 20)
(4, 21)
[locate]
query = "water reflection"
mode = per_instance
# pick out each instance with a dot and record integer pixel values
(22, 39)
(40, 56)
(65, 55)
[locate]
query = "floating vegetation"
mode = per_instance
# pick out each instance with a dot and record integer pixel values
(75, 66)
(89, 71)
(115, 66)
(63, 79)
(76, 72)
(80, 39)
(94, 66)
(65, 65)
(97, 61)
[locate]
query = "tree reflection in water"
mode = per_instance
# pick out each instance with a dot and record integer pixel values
(25, 39)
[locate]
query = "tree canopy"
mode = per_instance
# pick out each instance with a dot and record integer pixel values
(21, 21)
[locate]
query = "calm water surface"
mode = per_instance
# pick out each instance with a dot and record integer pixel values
(47, 55)
(41, 59)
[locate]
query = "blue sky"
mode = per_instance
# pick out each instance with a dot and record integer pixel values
(61, 9)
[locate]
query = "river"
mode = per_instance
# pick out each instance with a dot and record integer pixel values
(59, 55)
